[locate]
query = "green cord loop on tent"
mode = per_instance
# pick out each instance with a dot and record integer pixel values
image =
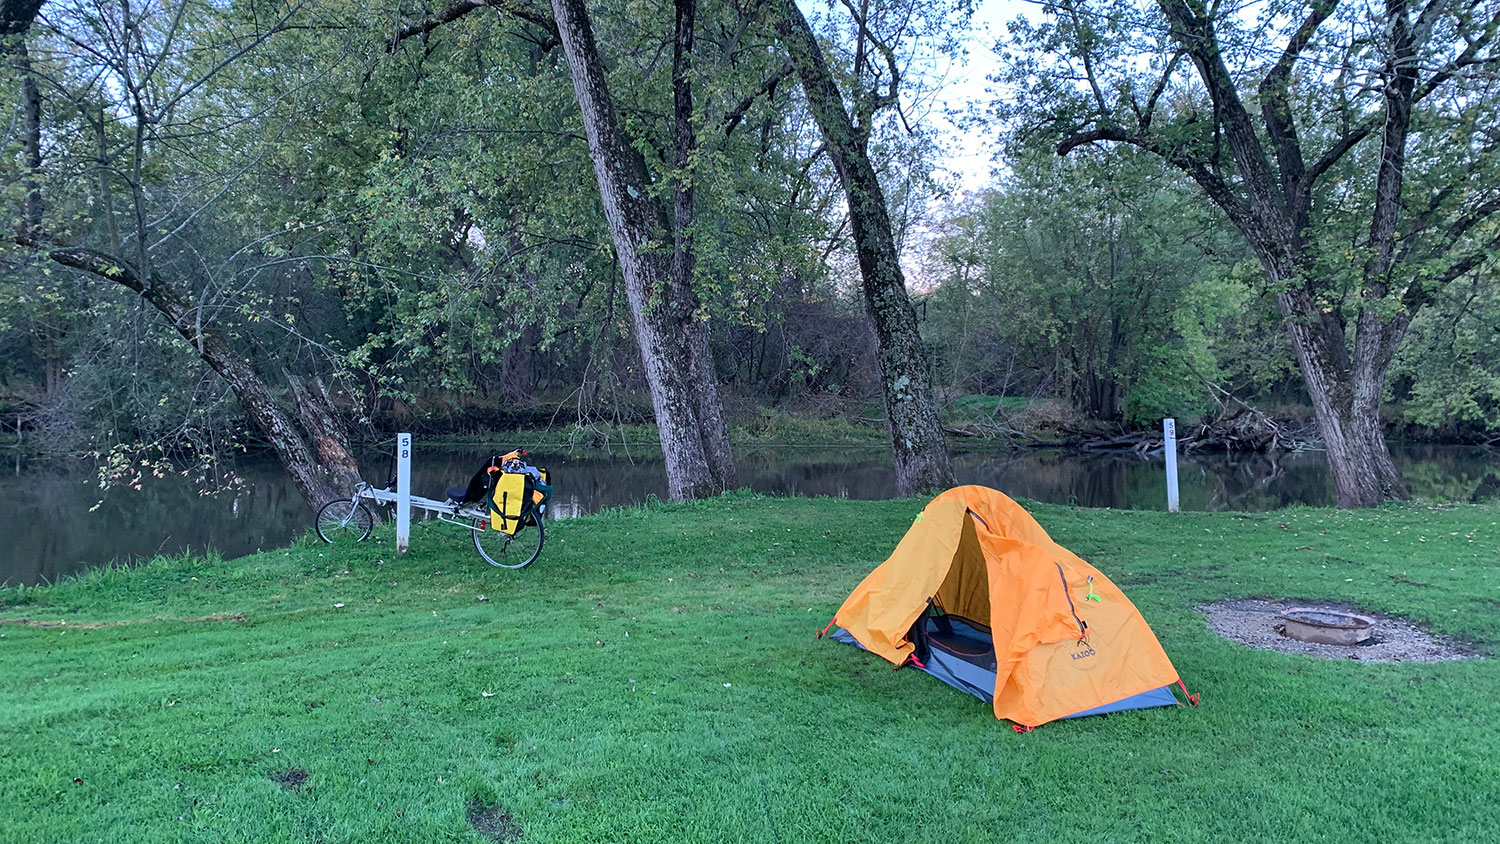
(1091, 596)
(919, 515)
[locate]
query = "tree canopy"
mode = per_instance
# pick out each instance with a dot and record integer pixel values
(248, 224)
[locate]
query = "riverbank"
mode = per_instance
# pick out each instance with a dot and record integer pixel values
(766, 430)
(654, 677)
(59, 526)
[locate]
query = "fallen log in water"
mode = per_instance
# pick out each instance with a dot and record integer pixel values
(1017, 439)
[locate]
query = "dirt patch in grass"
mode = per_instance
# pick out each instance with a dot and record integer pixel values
(291, 779)
(1259, 624)
(494, 822)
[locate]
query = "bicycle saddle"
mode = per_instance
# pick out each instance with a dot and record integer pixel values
(474, 492)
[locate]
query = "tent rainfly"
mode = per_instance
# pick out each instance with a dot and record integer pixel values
(979, 596)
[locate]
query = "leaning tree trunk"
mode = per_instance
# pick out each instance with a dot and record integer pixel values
(660, 309)
(325, 429)
(704, 377)
(922, 461)
(318, 481)
(669, 325)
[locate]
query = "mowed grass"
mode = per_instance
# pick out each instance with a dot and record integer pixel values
(655, 677)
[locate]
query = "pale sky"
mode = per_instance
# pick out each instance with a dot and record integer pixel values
(966, 84)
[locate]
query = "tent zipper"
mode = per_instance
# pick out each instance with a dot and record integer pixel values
(1083, 629)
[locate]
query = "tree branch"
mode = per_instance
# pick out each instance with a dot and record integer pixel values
(1195, 33)
(767, 88)
(431, 22)
(1468, 58)
(873, 100)
(1416, 295)
(1276, 110)
(516, 8)
(1145, 116)
(99, 264)
(1086, 54)
(1217, 189)
(1400, 76)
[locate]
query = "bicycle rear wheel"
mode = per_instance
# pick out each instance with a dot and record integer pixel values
(507, 551)
(344, 521)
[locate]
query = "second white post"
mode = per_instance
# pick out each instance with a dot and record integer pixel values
(1169, 448)
(403, 492)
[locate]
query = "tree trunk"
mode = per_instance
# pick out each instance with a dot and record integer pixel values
(1345, 390)
(922, 462)
(1358, 459)
(31, 142)
(662, 312)
(317, 482)
(1098, 396)
(16, 17)
(325, 430)
(704, 375)
(712, 425)
(1346, 400)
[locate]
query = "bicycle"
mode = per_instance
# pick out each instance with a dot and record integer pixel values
(499, 542)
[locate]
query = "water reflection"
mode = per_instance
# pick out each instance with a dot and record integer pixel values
(48, 530)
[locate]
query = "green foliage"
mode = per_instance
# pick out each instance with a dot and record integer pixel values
(1096, 274)
(423, 222)
(1448, 373)
(654, 677)
(1346, 242)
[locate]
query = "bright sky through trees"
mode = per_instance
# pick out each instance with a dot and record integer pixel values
(964, 86)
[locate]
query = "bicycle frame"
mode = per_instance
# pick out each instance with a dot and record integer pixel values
(443, 510)
(350, 520)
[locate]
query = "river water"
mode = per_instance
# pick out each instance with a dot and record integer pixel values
(47, 530)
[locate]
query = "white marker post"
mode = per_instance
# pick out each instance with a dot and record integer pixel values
(403, 493)
(1169, 448)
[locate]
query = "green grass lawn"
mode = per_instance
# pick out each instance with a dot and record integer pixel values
(976, 404)
(655, 678)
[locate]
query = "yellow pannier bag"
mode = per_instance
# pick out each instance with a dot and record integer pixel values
(507, 500)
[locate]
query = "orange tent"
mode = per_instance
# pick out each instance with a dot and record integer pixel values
(978, 595)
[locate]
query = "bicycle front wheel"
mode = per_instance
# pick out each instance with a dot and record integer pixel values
(507, 551)
(345, 521)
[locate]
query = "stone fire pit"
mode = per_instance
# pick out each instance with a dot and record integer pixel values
(1270, 625)
(1325, 626)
